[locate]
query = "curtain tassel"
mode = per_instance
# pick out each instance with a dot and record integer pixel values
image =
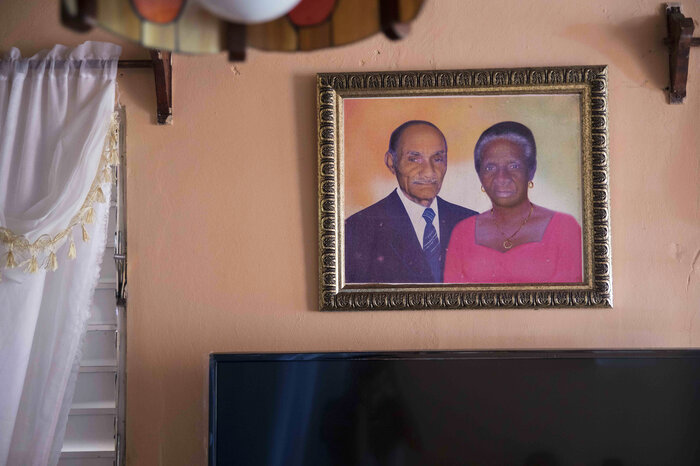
(90, 216)
(33, 265)
(53, 262)
(71, 249)
(107, 175)
(114, 155)
(11, 263)
(100, 197)
(86, 237)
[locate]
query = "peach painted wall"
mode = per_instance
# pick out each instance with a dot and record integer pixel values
(222, 205)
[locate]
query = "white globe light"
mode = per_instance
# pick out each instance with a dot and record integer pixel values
(249, 11)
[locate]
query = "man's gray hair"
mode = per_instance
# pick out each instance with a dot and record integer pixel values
(396, 135)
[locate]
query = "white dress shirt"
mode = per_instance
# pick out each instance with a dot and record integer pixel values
(415, 213)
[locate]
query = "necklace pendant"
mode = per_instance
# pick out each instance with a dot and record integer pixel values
(507, 244)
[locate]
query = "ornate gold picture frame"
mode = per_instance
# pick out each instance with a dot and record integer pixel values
(385, 139)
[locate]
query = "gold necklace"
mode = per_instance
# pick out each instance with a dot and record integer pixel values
(507, 243)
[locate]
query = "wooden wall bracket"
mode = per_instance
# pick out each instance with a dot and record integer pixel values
(679, 41)
(77, 19)
(163, 71)
(162, 65)
(391, 25)
(76, 15)
(235, 37)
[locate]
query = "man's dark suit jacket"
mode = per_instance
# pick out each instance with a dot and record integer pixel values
(381, 244)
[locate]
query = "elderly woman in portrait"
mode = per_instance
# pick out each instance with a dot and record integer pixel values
(515, 241)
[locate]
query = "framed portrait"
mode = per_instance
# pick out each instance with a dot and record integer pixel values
(463, 189)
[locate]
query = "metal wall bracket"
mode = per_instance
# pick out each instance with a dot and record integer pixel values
(679, 41)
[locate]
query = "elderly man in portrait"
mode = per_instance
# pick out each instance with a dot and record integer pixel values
(403, 238)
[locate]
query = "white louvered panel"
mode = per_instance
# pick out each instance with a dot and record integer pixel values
(109, 461)
(103, 307)
(89, 435)
(99, 349)
(103, 368)
(94, 390)
(111, 226)
(106, 284)
(94, 327)
(108, 272)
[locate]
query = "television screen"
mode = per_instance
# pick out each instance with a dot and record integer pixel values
(608, 408)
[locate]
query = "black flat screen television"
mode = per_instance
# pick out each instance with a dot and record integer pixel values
(608, 408)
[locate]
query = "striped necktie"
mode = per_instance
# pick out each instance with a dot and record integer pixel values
(431, 244)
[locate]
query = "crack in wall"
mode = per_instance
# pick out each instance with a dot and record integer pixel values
(692, 269)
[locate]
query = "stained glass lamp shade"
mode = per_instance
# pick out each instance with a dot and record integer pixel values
(187, 26)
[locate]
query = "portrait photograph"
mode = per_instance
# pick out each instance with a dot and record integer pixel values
(478, 194)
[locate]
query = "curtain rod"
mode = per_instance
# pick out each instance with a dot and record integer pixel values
(135, 64)
(91, 63)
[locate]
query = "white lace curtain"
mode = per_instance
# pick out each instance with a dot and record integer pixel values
(57, 141)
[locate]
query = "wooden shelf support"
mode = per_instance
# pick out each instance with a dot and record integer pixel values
(679, 41)
(390, 22)
(163, 71)
(76, 15)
